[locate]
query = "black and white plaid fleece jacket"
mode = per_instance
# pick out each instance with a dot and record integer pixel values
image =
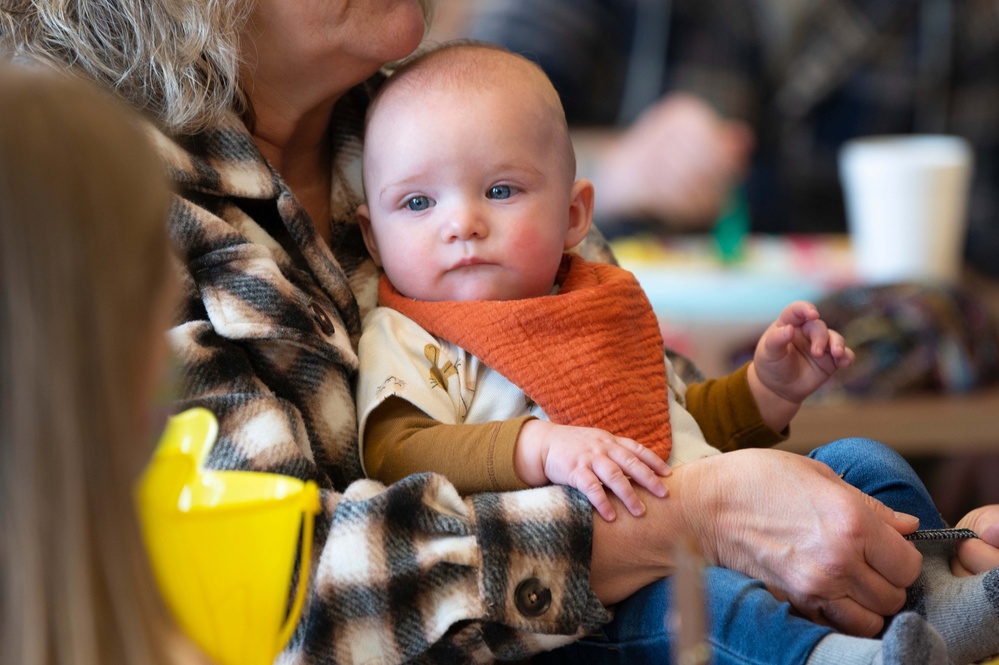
(267, 341)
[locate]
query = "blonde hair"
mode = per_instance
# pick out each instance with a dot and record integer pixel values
(83, 278)
(175, 60)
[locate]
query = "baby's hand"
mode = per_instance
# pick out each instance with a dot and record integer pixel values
(590, 460)
(798, 353)
(795, 355)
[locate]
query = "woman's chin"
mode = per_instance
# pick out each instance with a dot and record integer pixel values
(404, 30)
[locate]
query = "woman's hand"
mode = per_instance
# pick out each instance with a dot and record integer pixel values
(678, 161)
(978, 556)
(835, 554)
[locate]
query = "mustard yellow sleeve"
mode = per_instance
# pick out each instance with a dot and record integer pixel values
(726, 412)
(400, 440)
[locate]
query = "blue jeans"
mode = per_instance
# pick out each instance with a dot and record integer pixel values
(747, 624)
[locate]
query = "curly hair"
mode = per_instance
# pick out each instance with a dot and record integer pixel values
(177, 61)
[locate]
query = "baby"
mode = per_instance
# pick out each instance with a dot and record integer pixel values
(472, 198)
(501, 360)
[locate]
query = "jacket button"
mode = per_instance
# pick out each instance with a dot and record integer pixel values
(323, 319)
(532, 598)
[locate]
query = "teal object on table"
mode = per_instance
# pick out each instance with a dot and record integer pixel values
(732, 226)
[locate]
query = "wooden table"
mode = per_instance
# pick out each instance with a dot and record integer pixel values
(917, 425)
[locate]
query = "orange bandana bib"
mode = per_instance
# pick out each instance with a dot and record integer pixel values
(590, 355)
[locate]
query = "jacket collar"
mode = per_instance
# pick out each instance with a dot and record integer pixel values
(223, 161)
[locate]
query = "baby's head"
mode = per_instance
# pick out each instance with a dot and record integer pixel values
(469, 177)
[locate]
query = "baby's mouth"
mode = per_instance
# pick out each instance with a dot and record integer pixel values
(469, 261)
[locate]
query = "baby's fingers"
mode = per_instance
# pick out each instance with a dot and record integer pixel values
(588, 483)
(642, 465)
(841, 353)
(647, 457)
(817, 334)
(798, 313)
(774, 342)
(614, 479)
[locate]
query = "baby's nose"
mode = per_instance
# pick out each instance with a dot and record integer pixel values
(465, 224)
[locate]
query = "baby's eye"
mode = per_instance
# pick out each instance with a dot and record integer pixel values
(500, 192)
(419, 202)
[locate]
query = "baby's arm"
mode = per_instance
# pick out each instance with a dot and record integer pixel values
(591, 460)
(795, 355)
(400, 440)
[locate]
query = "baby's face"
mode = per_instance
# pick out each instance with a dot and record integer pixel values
(467, 193)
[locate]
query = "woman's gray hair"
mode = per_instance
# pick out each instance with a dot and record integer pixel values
(175, 60)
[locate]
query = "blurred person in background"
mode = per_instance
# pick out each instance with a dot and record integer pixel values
(696, 97)
(85, 299)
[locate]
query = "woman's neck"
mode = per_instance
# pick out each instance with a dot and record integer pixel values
(297, 145)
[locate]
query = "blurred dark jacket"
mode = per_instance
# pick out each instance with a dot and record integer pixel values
(852, 68)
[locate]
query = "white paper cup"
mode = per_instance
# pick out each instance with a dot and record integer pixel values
(906, 205)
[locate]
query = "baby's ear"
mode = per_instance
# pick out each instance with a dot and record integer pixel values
(580, 212)
(364, 221)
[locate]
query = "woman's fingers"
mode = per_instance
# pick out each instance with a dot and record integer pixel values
(848, 616)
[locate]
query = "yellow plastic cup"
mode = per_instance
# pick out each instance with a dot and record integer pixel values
(223, 544)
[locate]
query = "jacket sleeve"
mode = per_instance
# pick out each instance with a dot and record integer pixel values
(407, 572)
